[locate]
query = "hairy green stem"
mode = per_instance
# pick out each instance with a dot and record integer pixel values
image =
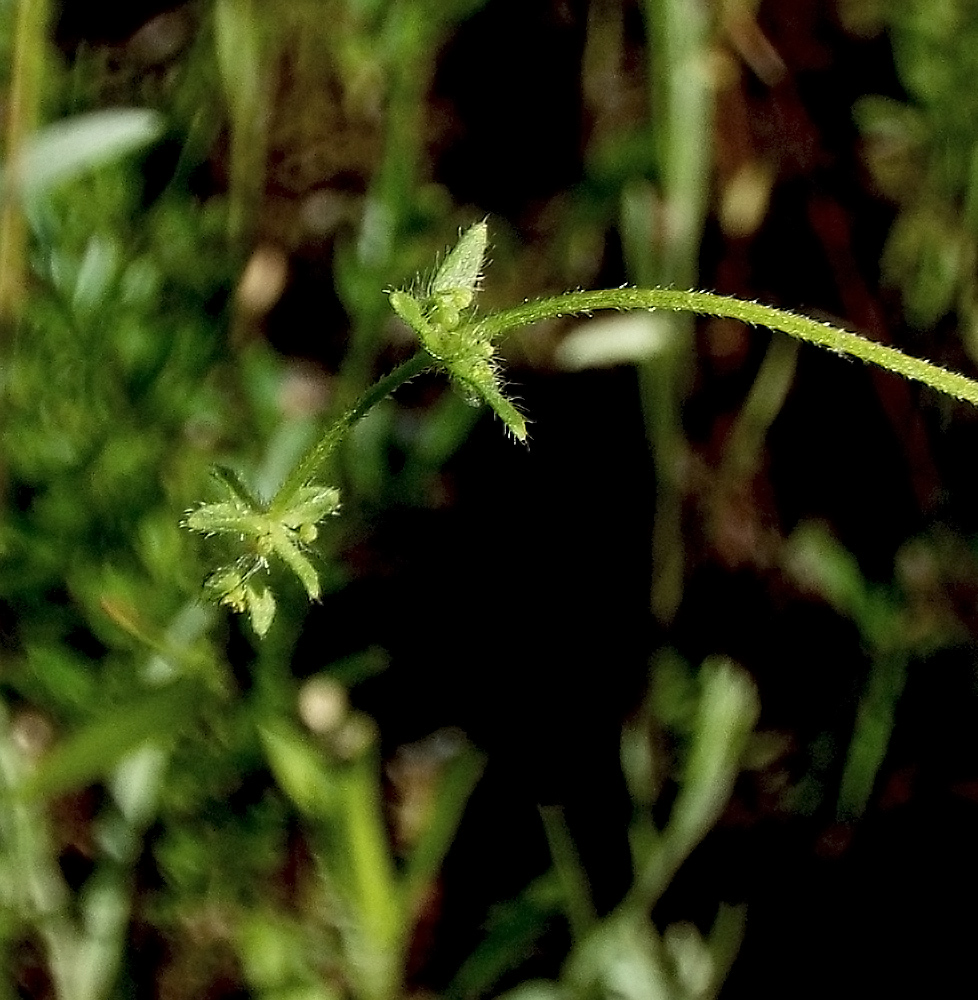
(310, 463)
(578, 303)
(711, 304)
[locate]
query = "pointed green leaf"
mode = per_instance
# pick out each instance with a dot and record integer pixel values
(505, 410)
(211, 518)
(310, 506)
(288, 551)
(75, 145)
(299, 768)
(236, 487)
(408, 308)
(453, 791)
(462, 268)
(260, 602)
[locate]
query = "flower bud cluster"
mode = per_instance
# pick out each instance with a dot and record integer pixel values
(458, 344)
(262, 531)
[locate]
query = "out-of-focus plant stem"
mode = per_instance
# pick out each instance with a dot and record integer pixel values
(763, 404)
(34, 886)
(243, 57)
(408, 44)
(22, 114)
(681, 103)
(378, 954)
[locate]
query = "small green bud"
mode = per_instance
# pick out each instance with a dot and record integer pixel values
(444, 315)
(233, 587)
(226, 586)
(454, 298)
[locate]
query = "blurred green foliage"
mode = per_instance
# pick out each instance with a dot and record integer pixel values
(121, 387)
(923, 154)
(130, 368)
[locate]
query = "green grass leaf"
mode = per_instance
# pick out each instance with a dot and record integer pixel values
(89, 754)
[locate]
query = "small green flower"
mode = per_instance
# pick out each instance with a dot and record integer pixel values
(460, 346)
(263, 533)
